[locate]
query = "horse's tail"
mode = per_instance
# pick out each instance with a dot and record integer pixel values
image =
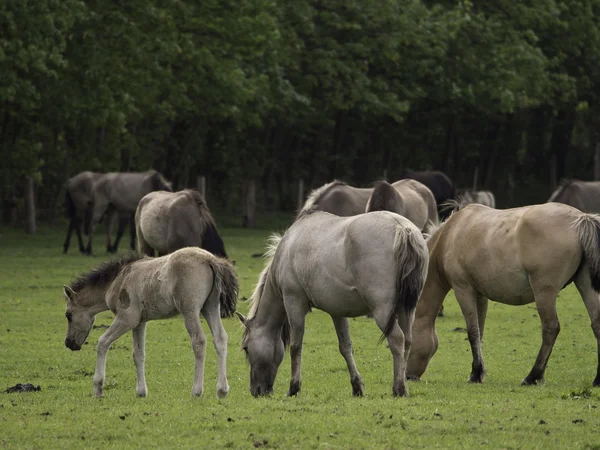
(588, 228)
(412, 256)
(226, 283)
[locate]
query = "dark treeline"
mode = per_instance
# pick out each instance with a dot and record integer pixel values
(276, 91)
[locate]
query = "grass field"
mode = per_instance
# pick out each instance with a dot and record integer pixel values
(443, 410)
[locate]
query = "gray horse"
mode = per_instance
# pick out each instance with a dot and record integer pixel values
(123, 192)
(514, 256)
(468, 196)
(138, 289)
(337, 197)
(583, 195)
(78, 195)
(167, 221)
(347, 267)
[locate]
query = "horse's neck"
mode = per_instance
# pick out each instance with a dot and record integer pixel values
(95, 298)
(270, 311)
(432, 297)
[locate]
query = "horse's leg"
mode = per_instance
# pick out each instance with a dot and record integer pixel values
(342, 329)
(592, 303)
(142, 246)
(405, 321)
(139, 357)
(78, 226)
(132, 231)
(109, 216)
(396, 344)
(69, 232)
(120, 231)
(296, 311)
(88, 249)
(192, 324)
(210, 311)
(545, 300)
(117, 329)
(482, 307)
(468, 299)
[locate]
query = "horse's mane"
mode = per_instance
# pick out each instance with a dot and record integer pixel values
(254, 300)
(211, 240)
(105, 272)
(159, 182)
(434, 229)
(316, 194)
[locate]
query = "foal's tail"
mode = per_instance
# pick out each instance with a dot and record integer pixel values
(226, 283)
(588, 228)
(412, 256)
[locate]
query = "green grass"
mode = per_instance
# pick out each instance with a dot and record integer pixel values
(442, 411)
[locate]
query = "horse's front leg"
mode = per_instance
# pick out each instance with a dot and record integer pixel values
(139, 357)
(468, 300)
(297, 321)
(212, 315)
(342, 329)
(117, 329)
(192, 324)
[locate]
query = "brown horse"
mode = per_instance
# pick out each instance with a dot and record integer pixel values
(414, 201)
(516, 257)
(167, 221)
(583, 195)
(438, 182)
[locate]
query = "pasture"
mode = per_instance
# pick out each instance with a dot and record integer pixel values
(443, 410)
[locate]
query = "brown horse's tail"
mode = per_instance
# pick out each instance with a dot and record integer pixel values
(412, 256)
(588, 228)
(226, 283)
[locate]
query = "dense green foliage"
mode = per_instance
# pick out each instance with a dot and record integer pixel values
(443, 411)
(275, 91)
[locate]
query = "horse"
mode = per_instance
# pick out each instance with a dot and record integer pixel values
(467, 196)
(167, 221)
(515, 256)
(346, 267)
(78, 194)
(344, 200)
(438, 182)
(583, 195)
(123, 192)
(138, 289)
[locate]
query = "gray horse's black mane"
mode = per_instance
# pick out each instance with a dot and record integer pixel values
(105, 272)
(159, 182)
(211, 240)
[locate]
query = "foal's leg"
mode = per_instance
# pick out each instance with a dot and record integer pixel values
(117, 329)
(342, 329)
(192, 324)
(396, 344)
(468, 299)
(592, 303)
(139, 357)
(545, 300)
(211, 313)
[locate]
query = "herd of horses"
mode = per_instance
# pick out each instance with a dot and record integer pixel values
(391, 252)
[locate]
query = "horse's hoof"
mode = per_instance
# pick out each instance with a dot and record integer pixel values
(222, 393)
(530, 381)
(402, 392)
(476, 378)
(358, 392)
(596, 382)
(413, 377)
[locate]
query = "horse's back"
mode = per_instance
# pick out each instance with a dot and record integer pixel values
(343, 200)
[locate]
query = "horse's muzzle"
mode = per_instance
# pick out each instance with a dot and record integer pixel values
(71, 344)
(261, 391)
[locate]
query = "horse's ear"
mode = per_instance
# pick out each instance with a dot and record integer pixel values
(69, 293)
(242, 318)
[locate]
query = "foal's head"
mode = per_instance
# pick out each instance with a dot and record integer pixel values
(80, 319)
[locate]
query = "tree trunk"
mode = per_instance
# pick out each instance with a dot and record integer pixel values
(249, 219)
(560, 143)
(29, 206)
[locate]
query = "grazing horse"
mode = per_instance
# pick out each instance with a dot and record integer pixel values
(516, 257)
(438, 182)
(583, 195)
(78, 195)
(167, 221)
(123, 192)
(466, 197)
(347, 267)
(343, 200)
(137, 289)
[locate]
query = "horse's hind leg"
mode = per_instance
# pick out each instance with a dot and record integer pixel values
(69, 232)
(117, 329)
(192, 324)
(120, 231)
(139, 357)
(592, 303)
(545, 300)
(210, 311)
(132, 232)
(469, 299)
(78, 227)
(342, 329)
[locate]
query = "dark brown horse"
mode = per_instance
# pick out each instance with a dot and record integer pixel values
(438, 182)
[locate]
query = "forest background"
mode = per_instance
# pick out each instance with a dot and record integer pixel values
(271, 92)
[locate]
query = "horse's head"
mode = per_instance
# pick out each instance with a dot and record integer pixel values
(80, 320)
(264, 349)
(424, 345)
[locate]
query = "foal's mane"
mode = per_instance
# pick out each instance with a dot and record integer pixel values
(105, 273)
(317, 193)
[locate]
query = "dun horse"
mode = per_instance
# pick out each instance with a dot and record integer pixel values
(347, 267)
(583, 195)
(121, 191)
(138, 289)
(513, 256)
(414, 201)
(78, 196)
(167, 221)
